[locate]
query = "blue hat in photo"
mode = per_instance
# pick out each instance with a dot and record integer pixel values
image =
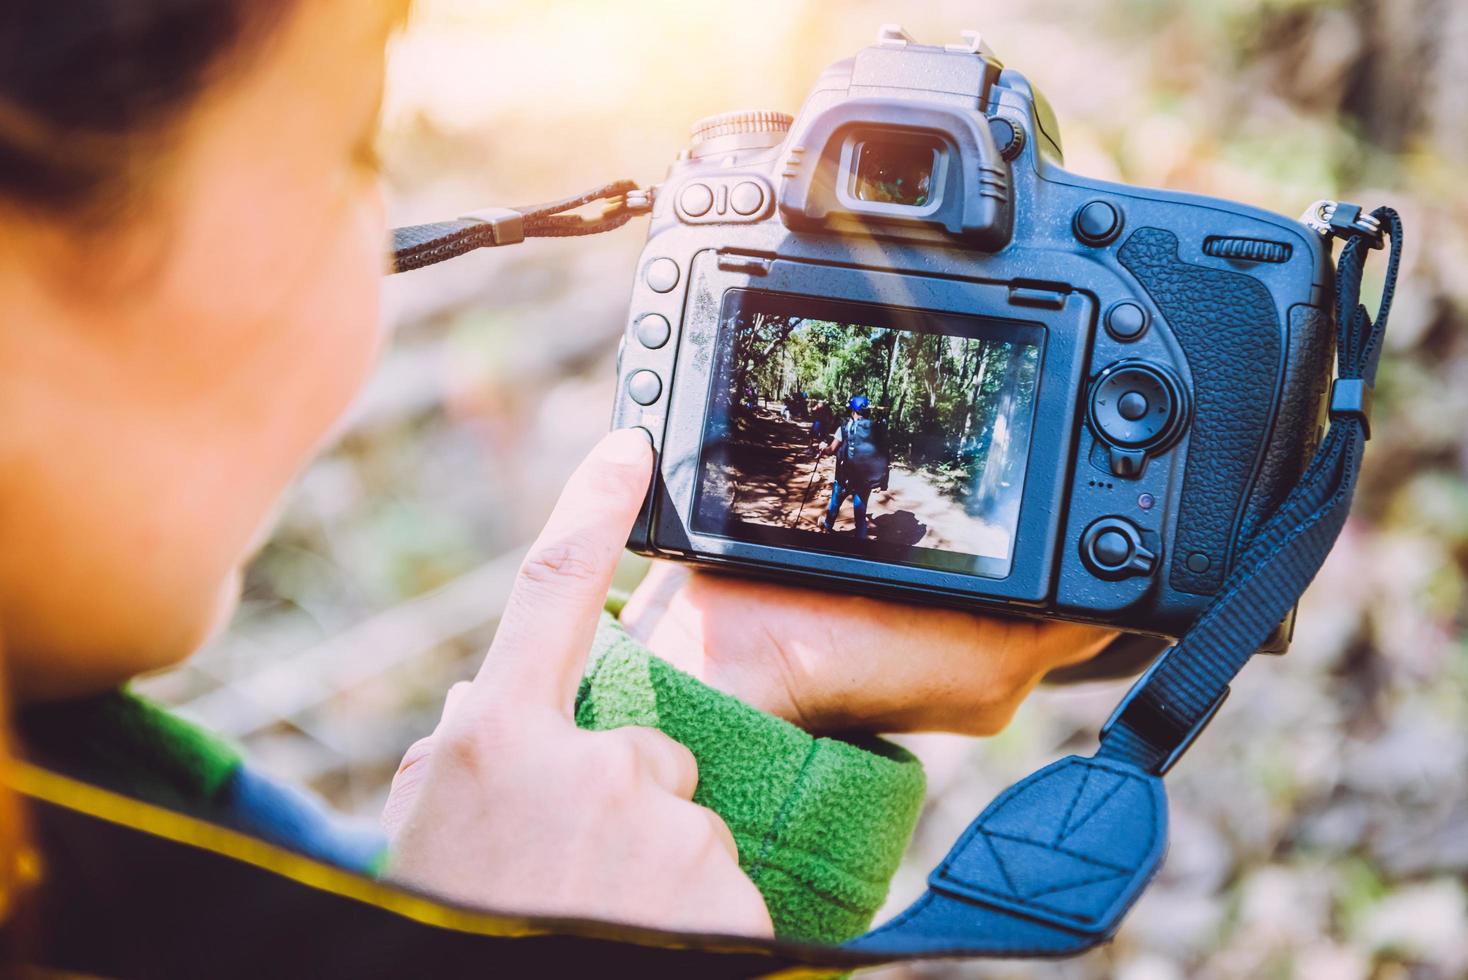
(859, 403)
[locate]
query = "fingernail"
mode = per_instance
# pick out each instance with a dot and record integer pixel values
(625, 446)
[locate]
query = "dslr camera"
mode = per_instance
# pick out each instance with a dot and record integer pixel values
(890, 345)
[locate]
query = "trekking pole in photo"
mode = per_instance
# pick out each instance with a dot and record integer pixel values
(814, 469)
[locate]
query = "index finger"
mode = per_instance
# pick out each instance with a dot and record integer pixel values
(540, 648)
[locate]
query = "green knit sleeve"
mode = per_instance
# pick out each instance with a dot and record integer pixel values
(820, 823)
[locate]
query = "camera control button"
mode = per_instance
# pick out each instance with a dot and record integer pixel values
(1112, 548)
(1128, 463)
(746, 198)
(695, 200)
(1136, 405)
(644, 387)
(1126, 321)
(1009, 139)
(1136, 409)
(1132, 406)
(1097, 223)
(661, 275)
(653, 331)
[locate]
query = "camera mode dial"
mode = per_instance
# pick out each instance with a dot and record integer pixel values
(1137, 408)
(741, 130)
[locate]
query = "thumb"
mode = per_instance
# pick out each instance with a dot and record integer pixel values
(407, 782)
(540, 648)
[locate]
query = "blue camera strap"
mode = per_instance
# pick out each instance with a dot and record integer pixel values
(1054, 863)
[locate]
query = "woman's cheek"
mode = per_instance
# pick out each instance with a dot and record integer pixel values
(324, 344)
(226, 602)
(343, 316)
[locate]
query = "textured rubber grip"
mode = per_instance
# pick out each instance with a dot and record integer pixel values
(1297, 425)
(1230, 335)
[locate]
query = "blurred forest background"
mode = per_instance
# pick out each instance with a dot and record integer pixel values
(1319, 831)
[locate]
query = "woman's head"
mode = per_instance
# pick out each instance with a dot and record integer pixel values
(190, 244)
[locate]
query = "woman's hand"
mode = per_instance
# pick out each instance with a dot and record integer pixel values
(834, 663)
(510, 806)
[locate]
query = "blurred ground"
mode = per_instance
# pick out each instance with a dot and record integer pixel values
(1320, 830)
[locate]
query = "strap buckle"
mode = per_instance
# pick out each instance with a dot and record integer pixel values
(639, 200)
(1154, 720)
(1342, 219)
(506, 225)
(1351, 398)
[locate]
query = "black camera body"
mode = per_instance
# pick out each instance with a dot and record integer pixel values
(1085, 395)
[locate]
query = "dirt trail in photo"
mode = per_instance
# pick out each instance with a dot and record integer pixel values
(779, 472)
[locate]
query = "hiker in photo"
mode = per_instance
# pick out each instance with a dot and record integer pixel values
(822, 421)
(793, 406)
(862, 463)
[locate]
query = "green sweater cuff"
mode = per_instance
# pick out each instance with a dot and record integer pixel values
(820, 823)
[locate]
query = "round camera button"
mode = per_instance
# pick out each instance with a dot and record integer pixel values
(644, 387)
(696, 200)
(1097, 223)
(653, 331)
(747, 198)
(1126, 321)
(1132, 406)
(661, 275)
(1137, 405)
(1111, 549)
(1009, 139)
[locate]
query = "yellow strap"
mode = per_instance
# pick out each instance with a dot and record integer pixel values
(71, 794)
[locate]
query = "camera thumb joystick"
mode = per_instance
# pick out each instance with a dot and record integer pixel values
(1112, 548)
(1137, 409)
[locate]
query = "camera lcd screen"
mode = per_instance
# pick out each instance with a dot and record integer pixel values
(893, 172)
(878, 432)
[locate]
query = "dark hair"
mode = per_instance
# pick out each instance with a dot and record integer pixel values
(88, 87)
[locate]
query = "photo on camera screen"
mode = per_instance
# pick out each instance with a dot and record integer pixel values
(878, 432)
